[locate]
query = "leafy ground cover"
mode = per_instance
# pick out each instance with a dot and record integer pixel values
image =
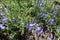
(29, 20)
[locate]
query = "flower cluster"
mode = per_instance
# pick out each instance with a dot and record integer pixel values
(20, 13)
(3, 19)
(42, 14)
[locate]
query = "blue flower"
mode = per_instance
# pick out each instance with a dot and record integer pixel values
(51, 21)
(32, 31)
(39, 30)
(30, 24)
(54, 11)
(34, 24)
(5, 9)
(42, 15)
(40, 3)
(4, 19)
(50, 36)
(2, 26)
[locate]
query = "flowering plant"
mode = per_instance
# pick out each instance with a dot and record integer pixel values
(32, 15)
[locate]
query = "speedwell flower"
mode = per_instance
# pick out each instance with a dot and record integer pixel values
(4, 19)
(51, 21)
(40, 3)
(30, 24)
(39, 30)
(2, 26)
(42, 15)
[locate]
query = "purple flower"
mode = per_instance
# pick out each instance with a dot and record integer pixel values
(5, 9)
(30, 24)
(51, 21)
(2, 26)
(54, 11)
(4, 19)
(42, 15)
(33, 31)
(34, 24)
(50, 36)
(40, 3)
(39, 30)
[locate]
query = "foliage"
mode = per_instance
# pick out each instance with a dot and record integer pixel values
(20, 12)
